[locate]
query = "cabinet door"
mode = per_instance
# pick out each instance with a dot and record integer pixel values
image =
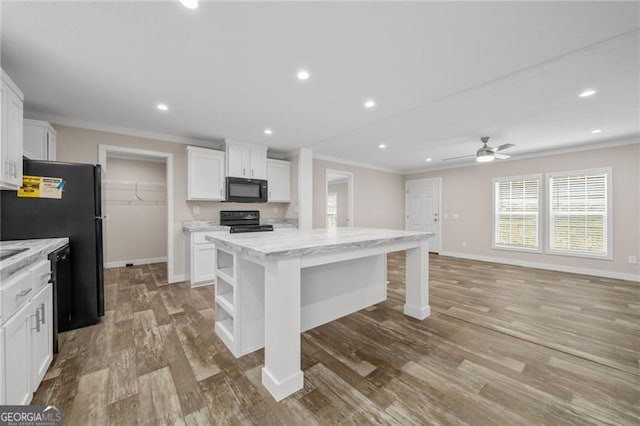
(16, 358)
(35, 142)
(205, 175)
(51, 145)
(41, 341)
(237, 160)
(204, 263)
(279, 174)
(14, 138)
(258, 163)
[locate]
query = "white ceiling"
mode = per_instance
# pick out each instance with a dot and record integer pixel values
(443, 74)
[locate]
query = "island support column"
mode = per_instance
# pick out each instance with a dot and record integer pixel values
(281, 374)
(417, 281)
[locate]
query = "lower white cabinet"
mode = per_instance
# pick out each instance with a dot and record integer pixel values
(26, 333)
(201, 260)
(16, 367)
(41, 349)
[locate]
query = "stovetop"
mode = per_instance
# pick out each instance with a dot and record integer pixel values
(243, 221)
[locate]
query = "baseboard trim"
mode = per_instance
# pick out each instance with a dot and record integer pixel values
(121, 263)
(547, 266)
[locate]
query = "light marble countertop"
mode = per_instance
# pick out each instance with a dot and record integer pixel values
(214, 225)
(37, 249)
(289, 243)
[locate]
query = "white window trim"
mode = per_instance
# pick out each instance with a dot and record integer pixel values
(609, 254)
(539, 177)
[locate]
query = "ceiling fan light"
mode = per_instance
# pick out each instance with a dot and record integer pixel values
(484, 157)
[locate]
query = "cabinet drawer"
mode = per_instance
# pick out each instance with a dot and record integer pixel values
(199, 238)
(15, 293)
(41, 274)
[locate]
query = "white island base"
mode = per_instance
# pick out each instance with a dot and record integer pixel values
(267, 301)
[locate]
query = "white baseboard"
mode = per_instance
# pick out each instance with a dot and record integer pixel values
(176, 278)
(548, 266)
(121, 263)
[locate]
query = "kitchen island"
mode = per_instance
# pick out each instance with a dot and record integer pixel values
(272, 286)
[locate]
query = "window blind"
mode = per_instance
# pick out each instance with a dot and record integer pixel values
(578, 216)
(517, 205)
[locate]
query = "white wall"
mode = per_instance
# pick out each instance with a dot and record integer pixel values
(137, 231)
(378, 197)
(467, 192)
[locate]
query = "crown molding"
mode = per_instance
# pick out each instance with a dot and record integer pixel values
(612, 143)
(354, 163)
(214, 143)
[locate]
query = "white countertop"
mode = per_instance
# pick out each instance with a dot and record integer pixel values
(36, 250)
(285, 242)
(197, 225)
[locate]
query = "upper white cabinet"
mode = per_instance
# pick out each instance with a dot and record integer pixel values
(279, 177)
(10, 134)
(205, 174)
(39, 140)
(247, 161)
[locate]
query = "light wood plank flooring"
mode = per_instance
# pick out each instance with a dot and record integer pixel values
(504, 345)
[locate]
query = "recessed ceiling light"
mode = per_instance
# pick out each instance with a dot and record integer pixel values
(586, 93)
(268, 131)
(370, 103)
(596, 131)
(382, 146)
(427, 160)
(162, 107)
(303, 75)
(190, 4)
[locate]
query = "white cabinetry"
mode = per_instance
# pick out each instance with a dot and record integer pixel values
(201, 259)
(39, 140)
(205, 174)
(279, 177)
(10, 134)
(26, 332)
(244, 160)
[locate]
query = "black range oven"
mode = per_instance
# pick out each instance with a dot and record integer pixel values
(242, 190)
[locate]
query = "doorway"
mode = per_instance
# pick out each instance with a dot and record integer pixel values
(338, 199)
(148, 188)
(422, 209)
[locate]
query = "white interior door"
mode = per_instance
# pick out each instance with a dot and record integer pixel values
(423, 208)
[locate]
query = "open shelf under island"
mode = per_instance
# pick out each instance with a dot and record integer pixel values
(275, 285)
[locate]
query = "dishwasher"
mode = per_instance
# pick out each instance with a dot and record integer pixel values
(62, 291)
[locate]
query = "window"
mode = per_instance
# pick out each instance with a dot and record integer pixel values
(516, 223)
(332, 210)
(579, 205)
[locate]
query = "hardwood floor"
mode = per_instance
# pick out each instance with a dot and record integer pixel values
(504, 345)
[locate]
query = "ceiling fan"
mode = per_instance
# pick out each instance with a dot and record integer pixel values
(486, 153)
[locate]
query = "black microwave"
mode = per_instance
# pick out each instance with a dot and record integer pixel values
(242, 190)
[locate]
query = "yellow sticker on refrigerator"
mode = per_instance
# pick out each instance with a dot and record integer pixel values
(41, 187)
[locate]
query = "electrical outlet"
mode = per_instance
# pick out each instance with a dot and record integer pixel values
(464, 244)
(455, 216)
(196, 209)
(633, 260)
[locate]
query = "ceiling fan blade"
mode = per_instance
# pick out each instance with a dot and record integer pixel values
(458, 158)
(503, 147)
(501, 156)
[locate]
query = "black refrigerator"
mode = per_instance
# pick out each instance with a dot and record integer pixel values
(78, 216)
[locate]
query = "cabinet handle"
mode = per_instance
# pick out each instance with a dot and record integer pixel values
(15, 169)
(251, 172)
(244, 172)
(37, 315)
(269, 194)
(42, 317)
(23, 293)
(221, 194)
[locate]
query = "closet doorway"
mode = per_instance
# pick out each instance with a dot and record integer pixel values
(137, 197)
(338, 199)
